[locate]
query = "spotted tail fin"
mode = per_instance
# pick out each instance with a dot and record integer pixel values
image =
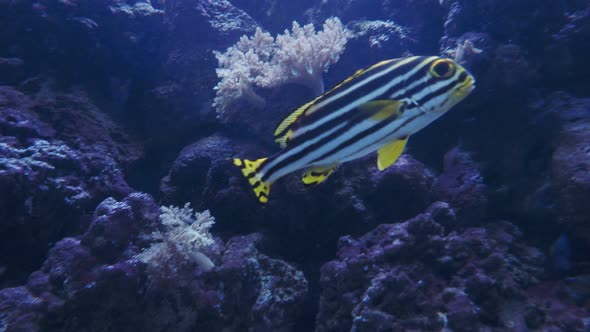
(250, 171)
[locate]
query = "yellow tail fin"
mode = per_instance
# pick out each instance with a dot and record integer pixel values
(250, 171)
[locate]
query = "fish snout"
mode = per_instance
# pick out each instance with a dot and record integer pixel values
(465, 87)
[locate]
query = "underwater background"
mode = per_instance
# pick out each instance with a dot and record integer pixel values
(120, 208)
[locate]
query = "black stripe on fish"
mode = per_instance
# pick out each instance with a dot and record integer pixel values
(325, 141)
(365, 73)
(287, 156)
(362, 91)
(462, 77)
(346, 100)
(362, 135)
(452, 84)
(356, 79)
(353, 117)
(344, 117)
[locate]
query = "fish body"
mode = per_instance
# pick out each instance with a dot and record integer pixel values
(375, 109)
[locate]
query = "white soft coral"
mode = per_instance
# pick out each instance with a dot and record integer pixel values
(187, 228)
(185, 232)
(299, 56)
(303, 55)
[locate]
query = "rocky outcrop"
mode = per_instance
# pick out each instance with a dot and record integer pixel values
(106, 281)
(417, 275)
(99, 99)
(61, 155)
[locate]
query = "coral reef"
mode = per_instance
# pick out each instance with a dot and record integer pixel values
(570, 163)
(417, 276)
(201, 174)
(60, 156)
(88, 282)
(462, 185)
(482, 224)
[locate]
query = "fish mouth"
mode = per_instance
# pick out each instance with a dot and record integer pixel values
(460, 92)
(466, 88)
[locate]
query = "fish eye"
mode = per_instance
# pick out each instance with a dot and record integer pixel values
(442, 68)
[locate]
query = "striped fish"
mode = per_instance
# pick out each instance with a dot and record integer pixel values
(375, 109)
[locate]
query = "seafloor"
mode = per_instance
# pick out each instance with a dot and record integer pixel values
(106, 115)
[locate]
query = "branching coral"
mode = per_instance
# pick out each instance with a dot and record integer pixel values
(189, 229)
(299, 56)
(186, 232)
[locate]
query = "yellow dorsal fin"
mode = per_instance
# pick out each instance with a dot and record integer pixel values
(282, 133)
(384, 109)
(389, 153)
(348, 79)
(282, 140)
(318, 174)
(359, 73)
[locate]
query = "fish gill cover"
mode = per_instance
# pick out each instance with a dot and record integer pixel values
(121, 208)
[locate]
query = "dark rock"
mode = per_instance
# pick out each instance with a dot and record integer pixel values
(415, 276)
(11, 71)
(275, 15)
(462, 185)
(521, 44)
(113, 227)
(357, 192)
(187, 55)
(461, 312)
(563, 63)
(560, 304)
(17, 119)
(61, 156)
(278, 290)
(540, 178)
(204, 175)
(571, 165)
(506, 69)
(425, 22)
(20, 310)
(224, 17)
(534, 317)
(259, 124)
(143, 56)
(405, 188)
(85, 36)
(505, 22)
(117, 267)
(141, 62)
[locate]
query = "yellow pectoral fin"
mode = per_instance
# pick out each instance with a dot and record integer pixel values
(383, 109)
(318, 174)
(389, 153)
